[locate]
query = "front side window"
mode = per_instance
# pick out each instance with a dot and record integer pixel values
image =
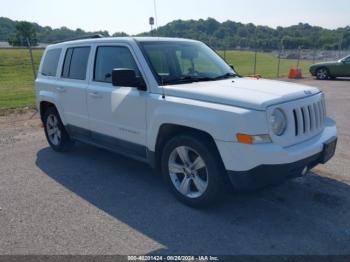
(50, 63)
(180, 62)
(112, 57)
(75, 63)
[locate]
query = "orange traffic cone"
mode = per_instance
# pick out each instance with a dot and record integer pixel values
(295, 73)
(292, 73)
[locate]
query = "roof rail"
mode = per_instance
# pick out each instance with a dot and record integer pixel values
(82, 38)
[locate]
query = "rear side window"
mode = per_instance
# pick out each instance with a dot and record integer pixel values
(111, 57)
(50, 63)
(75, 63)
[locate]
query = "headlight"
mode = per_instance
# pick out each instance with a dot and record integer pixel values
(278, 122)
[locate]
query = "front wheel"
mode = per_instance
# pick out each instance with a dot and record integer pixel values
(322, 74)
(192, 170)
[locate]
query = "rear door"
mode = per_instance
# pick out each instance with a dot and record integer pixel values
(72, 85)
(117, 115)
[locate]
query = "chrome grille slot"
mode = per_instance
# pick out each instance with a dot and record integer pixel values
(317, 118)
(309, 118)
(312, 118)
(306, 116)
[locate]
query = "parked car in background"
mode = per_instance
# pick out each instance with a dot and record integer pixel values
(333, 69)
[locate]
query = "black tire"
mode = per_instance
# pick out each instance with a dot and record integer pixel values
(63, 143)
(322, 73)
(213, 168)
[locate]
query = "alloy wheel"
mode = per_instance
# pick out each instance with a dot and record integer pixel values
(53, 130)
(188, 172)
(322, 74)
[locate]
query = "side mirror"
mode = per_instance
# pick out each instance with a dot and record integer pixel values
(127, 77)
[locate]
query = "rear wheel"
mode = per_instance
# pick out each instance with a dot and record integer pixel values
(322, 73)
(55, 132)
(192, 170)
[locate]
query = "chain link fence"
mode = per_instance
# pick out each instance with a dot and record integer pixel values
(277, 63)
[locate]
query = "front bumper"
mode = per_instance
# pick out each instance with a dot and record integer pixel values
(265, 175)
(312, 71)
(254, 166)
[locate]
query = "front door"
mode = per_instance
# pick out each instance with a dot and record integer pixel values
(346, 66)
(117, 115)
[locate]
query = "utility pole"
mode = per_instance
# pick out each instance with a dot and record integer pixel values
(155, 15)
(151, 22)
(31, 56)
(279, 57)
(340, 44)
(299, 56)
(256, 49)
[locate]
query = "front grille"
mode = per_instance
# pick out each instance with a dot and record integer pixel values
(309, 118)
(306, 118)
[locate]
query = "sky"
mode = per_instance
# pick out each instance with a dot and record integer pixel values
(131, 16)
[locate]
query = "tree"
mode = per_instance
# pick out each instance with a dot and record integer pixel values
(119, 34)
(24, 31)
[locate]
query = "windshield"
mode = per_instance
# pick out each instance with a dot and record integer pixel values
(185, 62)
(346, 59)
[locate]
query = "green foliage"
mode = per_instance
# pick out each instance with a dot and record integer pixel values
(230, 35)
(24, 31)
(44, 34)
(119, 34)
(226, 35)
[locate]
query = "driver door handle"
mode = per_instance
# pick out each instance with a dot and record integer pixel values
(61, 89)
(95, 94)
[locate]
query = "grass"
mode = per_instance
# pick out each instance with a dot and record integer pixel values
(17, 81)
(266, 65)
(16, 78)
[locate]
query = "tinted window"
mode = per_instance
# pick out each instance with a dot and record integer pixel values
(50, 63)
(109, 58)
(75, 63)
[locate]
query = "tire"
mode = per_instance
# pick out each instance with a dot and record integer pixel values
(322, 73)
(191, 167)
(55, 133)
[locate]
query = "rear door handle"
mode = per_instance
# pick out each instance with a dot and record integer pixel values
(95, 94)
(61, 89)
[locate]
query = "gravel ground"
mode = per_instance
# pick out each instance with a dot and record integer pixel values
(90, 201)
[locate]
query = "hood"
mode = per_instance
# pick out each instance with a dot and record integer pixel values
(249, 93)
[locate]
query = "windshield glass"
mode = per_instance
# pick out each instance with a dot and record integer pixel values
(185, 62)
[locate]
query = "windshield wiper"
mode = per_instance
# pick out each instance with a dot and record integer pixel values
(182, 80)
(191, 79)
(225, 76)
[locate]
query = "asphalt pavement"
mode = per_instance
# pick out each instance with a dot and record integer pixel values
(91, 201)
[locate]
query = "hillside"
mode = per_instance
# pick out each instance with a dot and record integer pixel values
(231, 34)
(227, 35)
(47, 34)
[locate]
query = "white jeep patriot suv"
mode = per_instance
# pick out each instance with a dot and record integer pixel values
(176, 105)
